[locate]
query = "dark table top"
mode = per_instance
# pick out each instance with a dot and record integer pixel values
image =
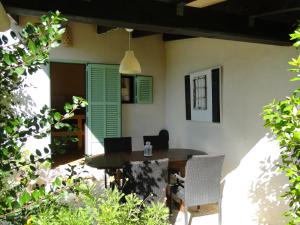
(116, 160)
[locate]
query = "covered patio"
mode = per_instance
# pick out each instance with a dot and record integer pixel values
(248, 40)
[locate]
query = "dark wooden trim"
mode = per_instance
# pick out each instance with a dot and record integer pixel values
(276, 12)
(103, 29)
(215, 83)
(140, 33)
(187, 89)
(159, 17)
(16, 18)
(174, 37)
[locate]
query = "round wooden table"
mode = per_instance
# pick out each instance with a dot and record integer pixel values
(177, 158)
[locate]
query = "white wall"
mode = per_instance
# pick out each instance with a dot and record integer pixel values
(253, 74)
(88, 46)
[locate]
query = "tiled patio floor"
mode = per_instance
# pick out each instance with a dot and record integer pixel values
(207, 215)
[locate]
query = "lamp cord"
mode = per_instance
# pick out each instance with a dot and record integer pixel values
(129, 33)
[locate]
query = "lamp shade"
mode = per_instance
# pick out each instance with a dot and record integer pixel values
(4, 19)
(129, 64)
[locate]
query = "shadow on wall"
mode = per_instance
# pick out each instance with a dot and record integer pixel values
(21, 94)
(268, 188)
(252, 191)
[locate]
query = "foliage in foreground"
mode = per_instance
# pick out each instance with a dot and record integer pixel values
(111, 208)
(24, 184)
(283, 118)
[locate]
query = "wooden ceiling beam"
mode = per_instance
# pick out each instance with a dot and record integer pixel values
(158, 17)
(16, 18)
(174, 37)
(103, 29)
(253, 18)
(140, 33)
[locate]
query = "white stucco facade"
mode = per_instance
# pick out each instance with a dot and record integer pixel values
(252, 75)
(109, 48)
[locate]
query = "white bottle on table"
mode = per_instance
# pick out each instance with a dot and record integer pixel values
(147, 148)
(150, 150)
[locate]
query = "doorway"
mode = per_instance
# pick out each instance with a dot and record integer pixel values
(68, 80)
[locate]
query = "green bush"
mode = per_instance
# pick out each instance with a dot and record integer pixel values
(283, 118)
(23, 188)
(110, 208)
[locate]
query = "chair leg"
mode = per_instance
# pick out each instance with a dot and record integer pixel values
(169, 198)
(219, 212)
(184, 209)
(118, 177)
(105, 179)
(186, 216)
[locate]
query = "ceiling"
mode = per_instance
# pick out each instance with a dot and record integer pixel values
(260, 21)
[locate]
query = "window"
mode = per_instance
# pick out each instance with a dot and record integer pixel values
(200, 92)
(127, 89)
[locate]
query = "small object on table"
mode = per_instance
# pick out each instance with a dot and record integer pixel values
(148, 149)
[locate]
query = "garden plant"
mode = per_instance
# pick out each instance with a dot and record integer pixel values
(22, 189)
(283, 118)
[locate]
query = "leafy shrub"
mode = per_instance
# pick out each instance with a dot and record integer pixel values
(110, 208)
(283, 118)
(23, 189)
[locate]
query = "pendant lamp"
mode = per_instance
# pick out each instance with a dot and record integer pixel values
(4, 19)
(129, 64)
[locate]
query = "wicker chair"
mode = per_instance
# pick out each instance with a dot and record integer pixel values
(148, 179)
(201, 185)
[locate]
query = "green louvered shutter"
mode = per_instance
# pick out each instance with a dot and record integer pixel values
(104, 108)
(144, 86)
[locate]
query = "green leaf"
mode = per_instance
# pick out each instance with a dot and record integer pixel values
(75, 99)
(295, 79)
(31, 46)
(296, 136)
(36, 194)
(6, 58)
(57, 183)
(74, 139)
(58, 125)
(25, 197)
(68, 107)
(57, 116)
(20, 70)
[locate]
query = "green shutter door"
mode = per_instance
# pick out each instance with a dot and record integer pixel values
(113, 101)
(144, 85)
(104, 109)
